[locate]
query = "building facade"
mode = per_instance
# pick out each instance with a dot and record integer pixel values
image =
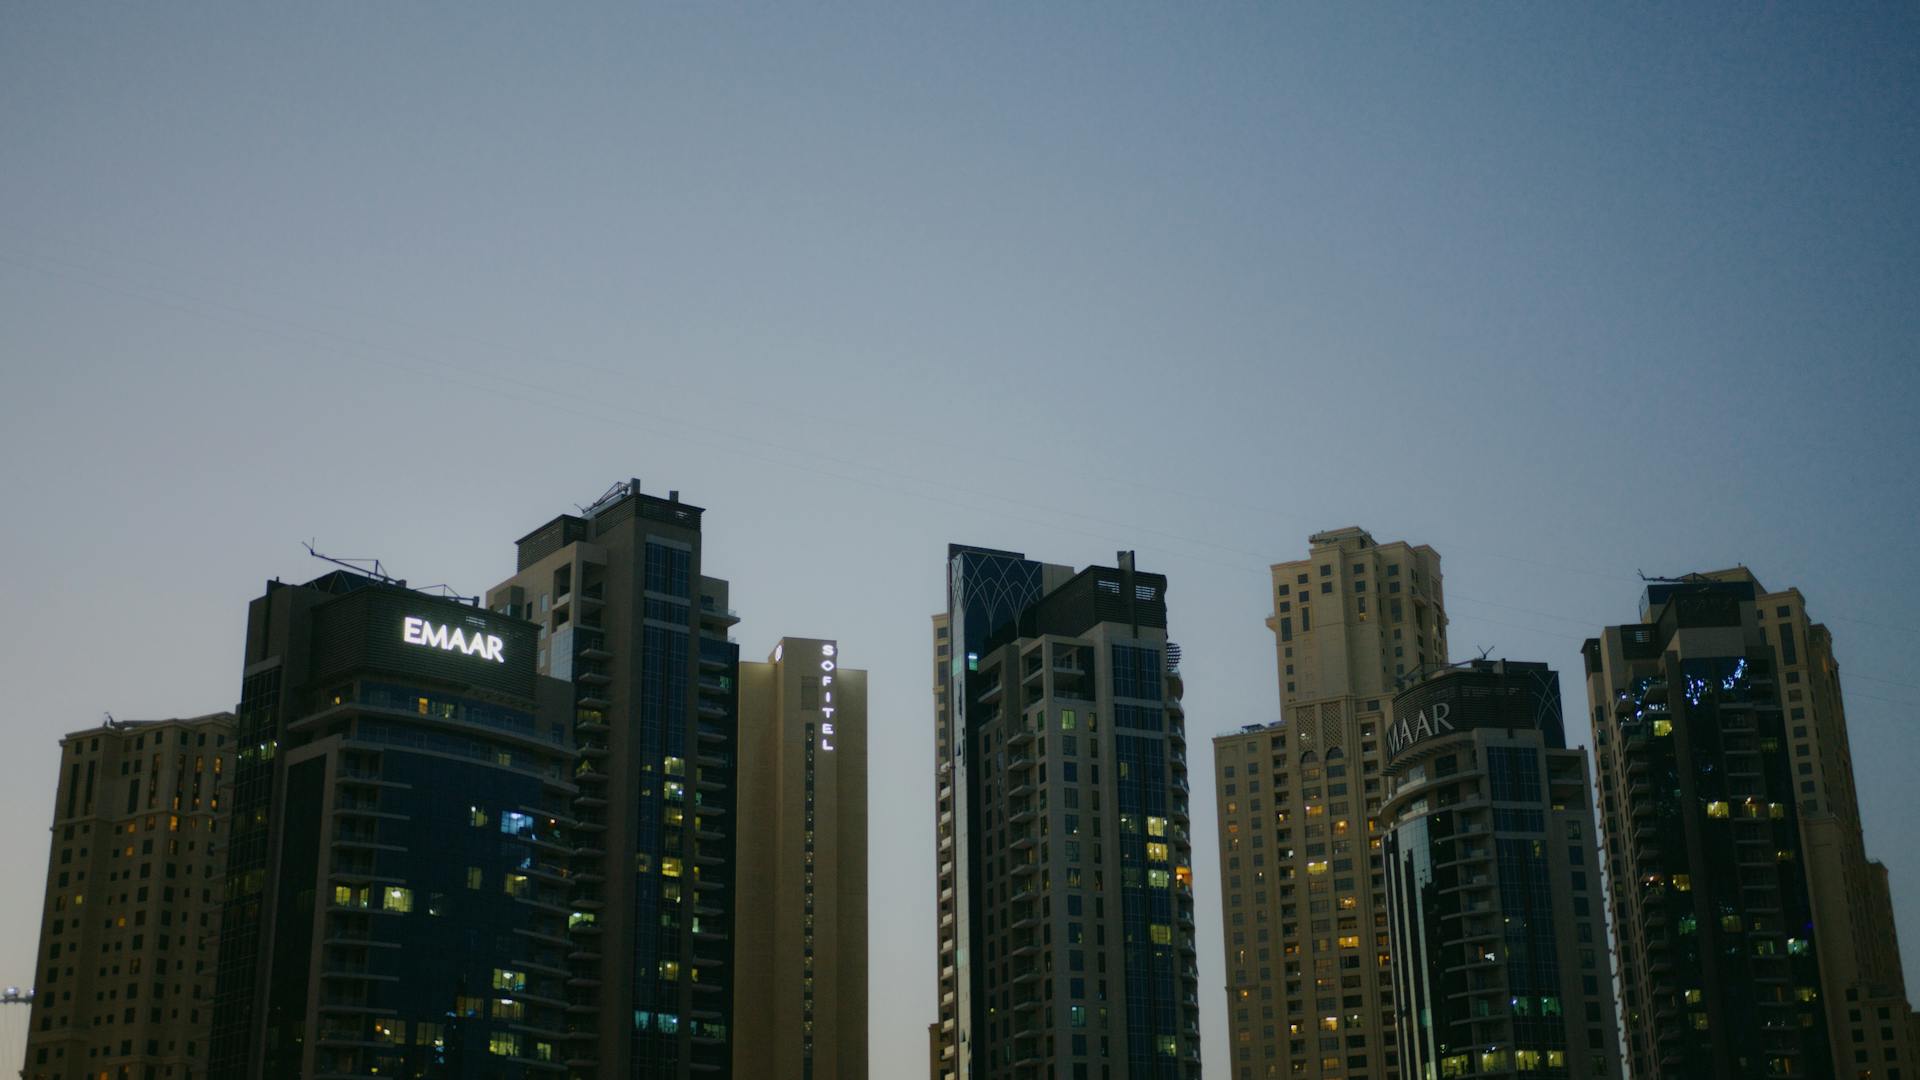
(1495, 905)
(396, 880)
(1719, 960)
(1298, 811)
(1868, 1017)
(624, 614)
(802, 926)
(130, 929)
(1065, 883)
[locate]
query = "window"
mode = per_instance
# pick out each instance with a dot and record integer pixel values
(396, 898)
(503, 979)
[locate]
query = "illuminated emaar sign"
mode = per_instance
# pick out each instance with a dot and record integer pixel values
(418, 631)
(827, 667)
(1425, 724)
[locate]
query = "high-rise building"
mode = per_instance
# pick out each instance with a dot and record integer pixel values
(396, 876)
(1868, 1016)
(1299, 803)
(1495, 904)
(1718, 956)
(801, 928)
(1065, 879)
(625, 614)
(131, 925)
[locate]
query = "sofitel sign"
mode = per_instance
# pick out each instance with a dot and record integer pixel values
(1425, 724)
(417, 631)
(827, 666)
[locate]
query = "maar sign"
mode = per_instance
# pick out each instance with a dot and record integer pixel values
(1425, 724)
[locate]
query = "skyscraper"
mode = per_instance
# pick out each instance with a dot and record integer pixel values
(1494, 897)
(395, 890)
(1719, 961)
(624, 613)
(1065, 876)
(1299, 804)
(131, 925)
(801, 929)
(1864, 987)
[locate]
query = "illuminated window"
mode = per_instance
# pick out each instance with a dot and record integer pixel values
(476, 816)
(1156, 826)
(1161, 933)
(504, 1044)
(1683, 882)
(504, 979)
(1329, 1023)
(1317, 866)
(516, 884)
(1717, 809)
(669, 866)
(1662, 727)
(397, 899)
(675, 766)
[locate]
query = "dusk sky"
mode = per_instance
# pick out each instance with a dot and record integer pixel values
(1567, 293)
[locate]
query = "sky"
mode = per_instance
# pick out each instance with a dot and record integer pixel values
(1568, 293)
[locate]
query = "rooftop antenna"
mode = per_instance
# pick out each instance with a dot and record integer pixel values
(379, 573)
(358, 566)
(1690, 578)
(1485, 652)
(620, 490)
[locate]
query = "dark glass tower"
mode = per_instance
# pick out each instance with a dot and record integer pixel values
(1065, 870)
(1494, 898)
(624, 614)
(396, 883)
(1718, 968)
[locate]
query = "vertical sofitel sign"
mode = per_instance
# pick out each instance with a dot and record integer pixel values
(828, 664)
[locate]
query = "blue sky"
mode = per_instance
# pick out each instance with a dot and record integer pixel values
(1566, 293)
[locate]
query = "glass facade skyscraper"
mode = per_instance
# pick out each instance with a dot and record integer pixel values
(624, 614)
(1494, 898)
(1065, 872)
(1718, 963)
(395, 893)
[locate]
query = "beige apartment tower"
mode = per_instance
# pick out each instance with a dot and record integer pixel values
(801, 924)
(1869, 1022)
(1303, 900)
(128, 935)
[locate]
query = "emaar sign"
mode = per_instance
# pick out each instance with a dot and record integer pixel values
(418, 631)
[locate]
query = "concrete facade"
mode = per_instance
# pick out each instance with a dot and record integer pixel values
(1864, 986)
(129, 934)
(1298, 806)
(801, 928)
